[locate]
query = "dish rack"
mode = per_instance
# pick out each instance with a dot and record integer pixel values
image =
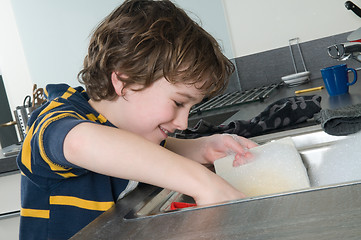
(297, 78)
(236, 98)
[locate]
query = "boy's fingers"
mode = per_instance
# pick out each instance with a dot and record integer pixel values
(242, 159)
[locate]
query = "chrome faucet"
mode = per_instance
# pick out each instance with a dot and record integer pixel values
(352, 48)
(343, 51)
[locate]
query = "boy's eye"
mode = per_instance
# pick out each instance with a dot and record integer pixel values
(178, 104)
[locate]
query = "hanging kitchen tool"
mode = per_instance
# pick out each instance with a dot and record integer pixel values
(354, 8)
(22, 113)
(38, 96)
(11, 123)
(297, 78)
(26, 104)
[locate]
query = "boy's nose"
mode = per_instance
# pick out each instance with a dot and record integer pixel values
(181, 120)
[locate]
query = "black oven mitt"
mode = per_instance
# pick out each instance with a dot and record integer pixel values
(282, 113)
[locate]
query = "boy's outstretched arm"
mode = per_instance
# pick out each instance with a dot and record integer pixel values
(118, 153)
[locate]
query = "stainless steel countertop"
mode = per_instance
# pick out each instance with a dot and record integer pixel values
(325, 213)
(333, 213)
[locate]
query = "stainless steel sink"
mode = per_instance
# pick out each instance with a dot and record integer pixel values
(311, 142)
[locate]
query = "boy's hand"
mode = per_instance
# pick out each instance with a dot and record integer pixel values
(221, 145)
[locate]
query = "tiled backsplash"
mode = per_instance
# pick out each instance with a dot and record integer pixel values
(268, 67)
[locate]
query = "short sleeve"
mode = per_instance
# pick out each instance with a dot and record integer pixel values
(47, 144)
(53, 139)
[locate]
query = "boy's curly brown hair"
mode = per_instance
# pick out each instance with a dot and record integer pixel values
(148, 40)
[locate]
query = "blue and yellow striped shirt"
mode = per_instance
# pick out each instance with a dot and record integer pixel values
(58, 198)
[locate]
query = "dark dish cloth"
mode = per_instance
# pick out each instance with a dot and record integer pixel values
(282, 113)
(341, 121)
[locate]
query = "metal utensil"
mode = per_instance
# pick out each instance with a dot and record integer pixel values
(11, 123)
(351, 6)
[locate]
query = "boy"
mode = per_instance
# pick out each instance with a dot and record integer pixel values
(148, 63)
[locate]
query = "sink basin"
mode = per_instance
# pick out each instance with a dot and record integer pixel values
(312, 144)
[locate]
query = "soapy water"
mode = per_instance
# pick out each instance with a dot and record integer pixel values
(341, 163)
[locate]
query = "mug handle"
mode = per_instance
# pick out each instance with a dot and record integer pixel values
(354, 76)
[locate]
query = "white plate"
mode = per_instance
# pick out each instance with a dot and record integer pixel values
(296, 78)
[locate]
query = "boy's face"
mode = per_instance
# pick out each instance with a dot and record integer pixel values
(158, 110)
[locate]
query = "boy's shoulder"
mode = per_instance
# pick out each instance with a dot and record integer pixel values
(53, 91)
(60, 98)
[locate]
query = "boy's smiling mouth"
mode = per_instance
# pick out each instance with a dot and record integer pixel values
(165, 131)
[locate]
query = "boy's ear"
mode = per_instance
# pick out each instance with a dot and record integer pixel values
(117, 83)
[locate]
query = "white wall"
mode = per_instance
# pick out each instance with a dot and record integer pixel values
(54, 35)
(261, 25)
(211, 15)
(13, 64)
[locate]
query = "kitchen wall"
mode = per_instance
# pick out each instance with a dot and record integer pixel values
(267, 67)
(45, 41)
(13, 64)
(263, 56)
(262, 25)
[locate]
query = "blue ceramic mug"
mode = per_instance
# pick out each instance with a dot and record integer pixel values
(336, 79)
